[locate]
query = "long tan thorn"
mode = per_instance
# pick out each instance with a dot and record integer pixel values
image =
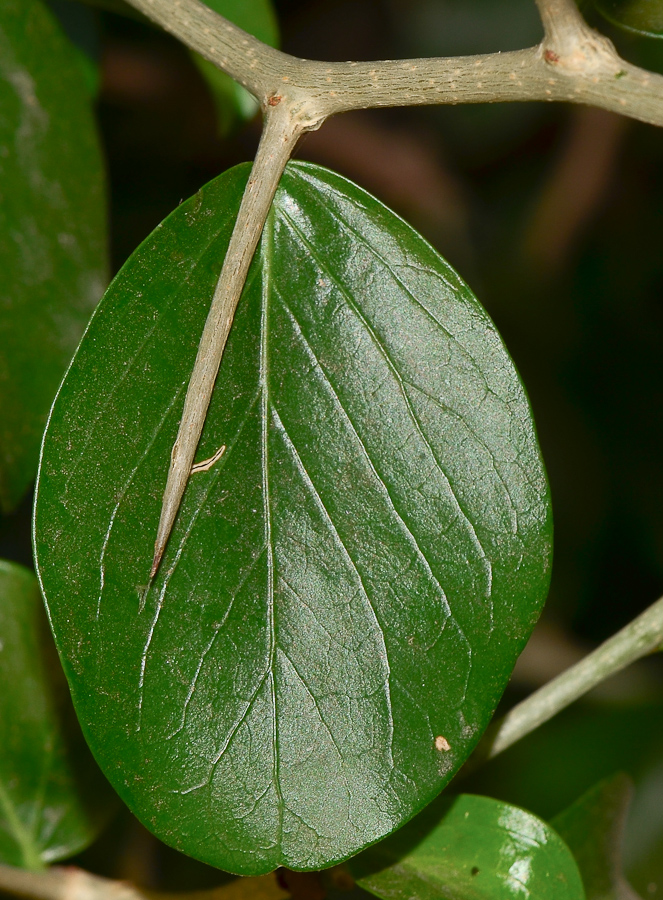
(280, 134)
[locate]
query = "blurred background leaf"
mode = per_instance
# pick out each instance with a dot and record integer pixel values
(53, 798)
(644, 17)
(593, 828)
(548, 770)
(52, 222)
(234, 104)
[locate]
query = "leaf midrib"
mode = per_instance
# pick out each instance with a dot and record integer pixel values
(266, 252)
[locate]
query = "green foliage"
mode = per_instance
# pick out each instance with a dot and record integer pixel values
(471, 848)
(346, 591)
(349, 583)
(593, 827)
(53, 798)
(52, 218)
(80, 25)
(550, 768)
(643, 17)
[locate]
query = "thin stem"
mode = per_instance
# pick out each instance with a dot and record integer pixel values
(70, 883)
(279, 137)
(42, 885)
(640, 637)
(574, 64)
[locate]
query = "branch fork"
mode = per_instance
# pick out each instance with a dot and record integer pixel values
(297, 95)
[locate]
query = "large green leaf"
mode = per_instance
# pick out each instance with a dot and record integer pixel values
(472, 848)
(80, 25)
(593, 828)
(346, 591)
(52, 228)
(640, 16)
(53, 798)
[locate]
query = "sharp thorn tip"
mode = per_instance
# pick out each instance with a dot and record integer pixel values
(155, 563)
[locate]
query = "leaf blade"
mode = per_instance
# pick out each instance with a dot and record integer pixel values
(643, 17)
(309, 623)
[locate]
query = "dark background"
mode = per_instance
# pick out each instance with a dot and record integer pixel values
(552, 214)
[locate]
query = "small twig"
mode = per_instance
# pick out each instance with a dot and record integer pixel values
(206, 464)
(574, 63)
(281, 132)
(71, 883)
(640, 637)
(574, 191)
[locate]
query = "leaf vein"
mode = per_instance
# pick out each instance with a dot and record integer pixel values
(315, 254)
(217, 630)
(382, 485)
(344, 550)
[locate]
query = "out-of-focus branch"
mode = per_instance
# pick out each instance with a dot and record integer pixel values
(70, 883)
(640, 637)
(574, 190)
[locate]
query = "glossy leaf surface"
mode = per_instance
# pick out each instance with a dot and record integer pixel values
(593, 828)
(52, 796)
(234, 104)
(643, 17)
(471, 848)
(346, 591)
(52, 228)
